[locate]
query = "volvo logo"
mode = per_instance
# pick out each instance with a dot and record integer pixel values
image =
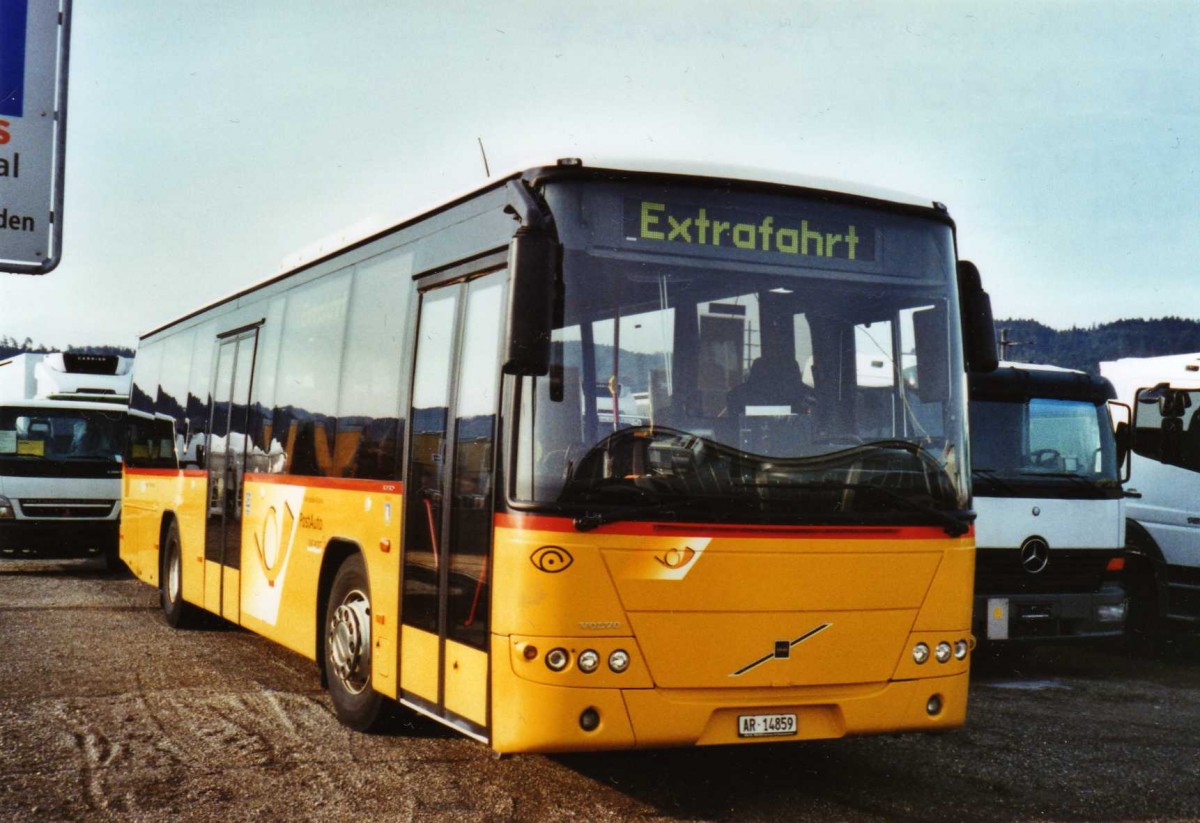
(1035, 555)
(782, 649)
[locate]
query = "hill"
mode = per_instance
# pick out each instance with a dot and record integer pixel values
(1084, 348)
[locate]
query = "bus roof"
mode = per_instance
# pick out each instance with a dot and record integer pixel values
(745, 174)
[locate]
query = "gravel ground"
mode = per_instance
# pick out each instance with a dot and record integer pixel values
(107, 714)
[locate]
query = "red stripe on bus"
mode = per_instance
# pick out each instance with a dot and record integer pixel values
(166, 472)
(343, 483)
(539, 522)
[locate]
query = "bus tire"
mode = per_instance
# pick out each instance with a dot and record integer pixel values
(178, 614)
(348, 647)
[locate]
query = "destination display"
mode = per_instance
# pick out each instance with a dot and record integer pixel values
(777, 234)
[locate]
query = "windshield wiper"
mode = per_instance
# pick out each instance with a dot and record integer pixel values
(955, 523)
(1078, 479)
(593, 520)
(992, 476)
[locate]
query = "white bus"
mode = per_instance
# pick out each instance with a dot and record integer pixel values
(1051, 525)
(62, 425)
(1164, 507)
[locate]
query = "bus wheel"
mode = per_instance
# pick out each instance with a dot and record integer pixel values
(179, 615)
(348, 647)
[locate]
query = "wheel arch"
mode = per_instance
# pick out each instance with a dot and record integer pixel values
(1146, 566)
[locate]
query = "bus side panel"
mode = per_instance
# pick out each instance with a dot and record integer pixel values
(288, 526)
(148, 495)
(144, 496)
(191, 513)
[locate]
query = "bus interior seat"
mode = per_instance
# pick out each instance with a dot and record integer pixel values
(774, 380)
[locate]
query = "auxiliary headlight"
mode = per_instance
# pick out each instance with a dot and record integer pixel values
(618, 661)
(920, 653)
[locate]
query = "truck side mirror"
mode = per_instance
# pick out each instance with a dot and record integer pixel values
(1123, 435)
(979, 329)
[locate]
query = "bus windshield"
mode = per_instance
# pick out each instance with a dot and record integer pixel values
(748, 393)
(1055, 444)
(51, 434)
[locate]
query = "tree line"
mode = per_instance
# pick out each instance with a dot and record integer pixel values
(1084, 348)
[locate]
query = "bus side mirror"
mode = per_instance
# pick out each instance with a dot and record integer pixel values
(533, 285)
(979, 330)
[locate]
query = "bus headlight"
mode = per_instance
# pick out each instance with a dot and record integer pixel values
(920, 653)
(6, 509)
(588, 661)
(942, 652)
(960, 649)
(618, 661)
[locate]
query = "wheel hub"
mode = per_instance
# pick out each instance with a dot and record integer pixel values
(350, 642)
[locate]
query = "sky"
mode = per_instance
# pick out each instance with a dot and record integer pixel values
(209, 142)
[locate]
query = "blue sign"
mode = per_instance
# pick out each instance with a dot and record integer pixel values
(13, 14)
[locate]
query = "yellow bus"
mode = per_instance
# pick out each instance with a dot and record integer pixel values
(590, 458)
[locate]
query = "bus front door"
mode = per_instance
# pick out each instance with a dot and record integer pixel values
(444, 667)
(226, 448)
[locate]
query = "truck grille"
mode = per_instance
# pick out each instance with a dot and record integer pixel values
(67, 509)
(999, 571)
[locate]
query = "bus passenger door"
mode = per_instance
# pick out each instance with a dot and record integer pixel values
(226, 447)
(444, 666)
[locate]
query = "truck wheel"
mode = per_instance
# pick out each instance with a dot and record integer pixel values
(178, 614)
(348, 647)
(1145, 630)
(113, 561)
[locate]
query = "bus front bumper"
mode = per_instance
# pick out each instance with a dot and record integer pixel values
(534, 717)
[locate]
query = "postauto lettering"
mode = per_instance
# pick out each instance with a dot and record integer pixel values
(771, 233)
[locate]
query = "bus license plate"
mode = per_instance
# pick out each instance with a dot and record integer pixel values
(766, 725)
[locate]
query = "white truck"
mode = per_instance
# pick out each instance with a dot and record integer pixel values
(62, 430)
(1050, 527)
(1164, 507)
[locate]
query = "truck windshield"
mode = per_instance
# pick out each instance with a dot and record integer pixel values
(713, 391)
(1065, 445)
(39, 434)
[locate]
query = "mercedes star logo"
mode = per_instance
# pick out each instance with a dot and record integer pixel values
(1035, 554)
